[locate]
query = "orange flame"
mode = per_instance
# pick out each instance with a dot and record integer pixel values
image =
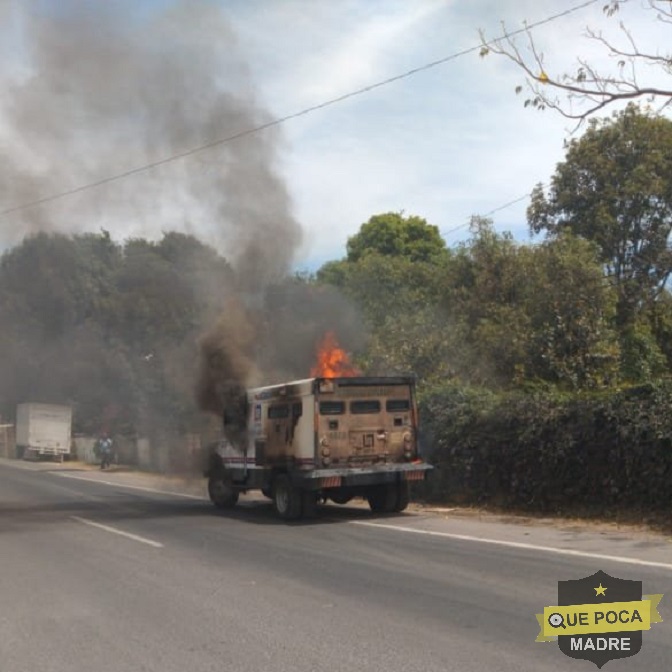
(332, 361)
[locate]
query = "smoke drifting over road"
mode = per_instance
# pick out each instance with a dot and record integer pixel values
(92, 90)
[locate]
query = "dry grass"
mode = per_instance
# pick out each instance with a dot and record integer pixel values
(581, 518)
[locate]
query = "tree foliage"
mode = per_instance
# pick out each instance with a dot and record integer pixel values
(393, 235)
(533, 313)
(116, 329)
(583, 453)
(110, 328)
(493, 312)
(615, 188)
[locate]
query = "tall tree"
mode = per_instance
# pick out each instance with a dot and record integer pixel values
(53, 291)
(399, 301)
(393, 235)
(530, 313)
(112, 330)
(615, 188)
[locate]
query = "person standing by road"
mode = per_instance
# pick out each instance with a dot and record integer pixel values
(105, 450)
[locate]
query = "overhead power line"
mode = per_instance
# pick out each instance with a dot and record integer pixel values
(489, 213)
(281, 120)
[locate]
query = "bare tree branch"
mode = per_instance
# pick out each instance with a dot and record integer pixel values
(587, 91)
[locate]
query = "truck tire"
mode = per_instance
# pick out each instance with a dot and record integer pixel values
(402, 497)
(340, 496)
(287, 499)
(222, 495)
(388, 498)
(382, 498)
(309, 503)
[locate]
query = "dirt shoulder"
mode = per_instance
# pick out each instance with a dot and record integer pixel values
(632, 523)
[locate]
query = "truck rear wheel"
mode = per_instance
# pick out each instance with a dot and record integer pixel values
(402, 497)
(340, 496)
(388, 498)
(222, 495)
(287, 499)
(309, 503)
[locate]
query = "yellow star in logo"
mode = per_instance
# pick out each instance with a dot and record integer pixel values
(600, 590)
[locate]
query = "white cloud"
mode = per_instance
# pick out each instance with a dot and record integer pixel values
(444, 144)
(360, 53)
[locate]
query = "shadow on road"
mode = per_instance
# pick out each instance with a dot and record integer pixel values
(119, 507)
(263, 513)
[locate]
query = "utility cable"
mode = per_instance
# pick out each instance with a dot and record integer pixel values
(288, 117)
(487, 214)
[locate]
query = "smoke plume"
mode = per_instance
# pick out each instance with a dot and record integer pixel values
(227, 359)
(93, 90)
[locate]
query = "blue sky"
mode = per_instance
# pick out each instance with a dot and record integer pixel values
(447, 143)
(444, 144)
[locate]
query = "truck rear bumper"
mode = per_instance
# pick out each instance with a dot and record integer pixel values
(35, 453)
(352, 478)
(48, 451)
(319, 479)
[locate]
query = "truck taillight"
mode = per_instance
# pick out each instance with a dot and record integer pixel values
(408, 446)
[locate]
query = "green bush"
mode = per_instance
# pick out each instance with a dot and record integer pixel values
(550, 452)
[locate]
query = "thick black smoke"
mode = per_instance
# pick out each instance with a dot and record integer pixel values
(271, 341)
(94, 89)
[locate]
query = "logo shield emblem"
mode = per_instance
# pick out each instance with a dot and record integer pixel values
(600, 588)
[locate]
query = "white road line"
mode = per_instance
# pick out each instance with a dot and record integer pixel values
(130, 487)
(121, 533)
(517, 544)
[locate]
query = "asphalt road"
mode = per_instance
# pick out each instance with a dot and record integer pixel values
(102, 572)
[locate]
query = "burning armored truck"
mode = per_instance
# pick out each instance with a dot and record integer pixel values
(335, 438)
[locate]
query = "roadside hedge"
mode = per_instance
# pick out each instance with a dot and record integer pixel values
(549, 452)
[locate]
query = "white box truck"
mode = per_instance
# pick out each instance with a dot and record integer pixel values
(320, 438)
(43, 430)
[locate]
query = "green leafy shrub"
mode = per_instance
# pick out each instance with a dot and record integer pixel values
(551, 452)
